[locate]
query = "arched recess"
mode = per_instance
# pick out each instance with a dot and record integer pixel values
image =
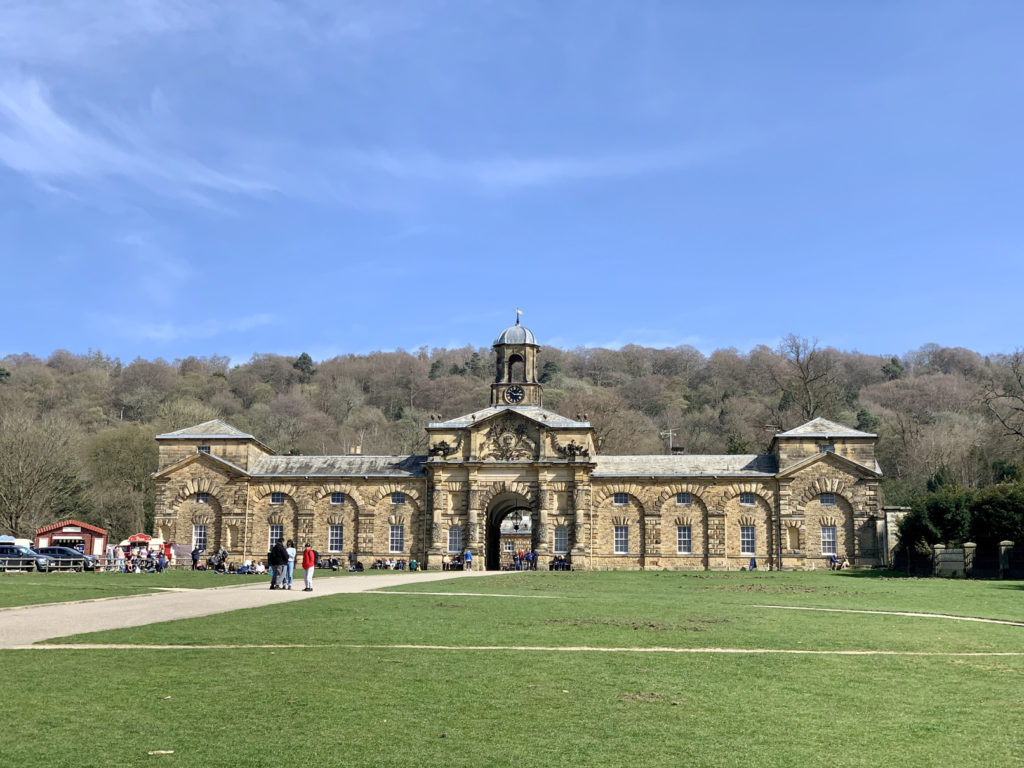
(190, 512)
(495, 489)
(196, 485)
(266, 513)
(325, 491)
(408, 514)
(739, 515)
(817, 516)
(694, 515)
(637, 492)
(335, 527)
(387, 489)
(641, 529)
(822, 485)
(260, 492)
(757, 489)
(498, 503)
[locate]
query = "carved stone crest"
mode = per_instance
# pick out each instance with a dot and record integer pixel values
(443, 448)
(509, 440)
(570, 451)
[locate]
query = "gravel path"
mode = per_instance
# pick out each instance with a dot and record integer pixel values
(23, 626)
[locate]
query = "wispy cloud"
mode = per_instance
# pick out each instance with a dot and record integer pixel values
(524, 171)
(39, 142)
(207, 329)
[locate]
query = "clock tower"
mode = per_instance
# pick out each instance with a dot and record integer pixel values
(516, 380)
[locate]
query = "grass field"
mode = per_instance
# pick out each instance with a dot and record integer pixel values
(351, 696)
(36, 588)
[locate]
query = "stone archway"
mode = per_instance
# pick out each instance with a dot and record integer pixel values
(498, 510)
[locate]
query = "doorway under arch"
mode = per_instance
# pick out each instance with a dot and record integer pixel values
(512, 513)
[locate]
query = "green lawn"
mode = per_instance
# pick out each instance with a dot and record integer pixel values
(335, 704)
(36, 588)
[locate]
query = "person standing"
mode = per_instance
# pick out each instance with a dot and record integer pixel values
(196, 551)
(277, 558)
(468, 561)
(308, 566)
(119, 555)
(290, 573)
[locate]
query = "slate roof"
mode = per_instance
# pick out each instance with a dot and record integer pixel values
(824, 428)
(540, 415)
(745, 465)
(339, 466)
(212, 428)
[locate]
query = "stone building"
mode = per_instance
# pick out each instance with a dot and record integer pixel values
(813, 494)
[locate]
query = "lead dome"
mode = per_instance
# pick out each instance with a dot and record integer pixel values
(517, 334)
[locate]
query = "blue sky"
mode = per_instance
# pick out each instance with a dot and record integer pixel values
(184, 177)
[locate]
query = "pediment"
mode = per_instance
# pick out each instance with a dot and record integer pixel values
(213, 462)
(831, 459)
(507, 437)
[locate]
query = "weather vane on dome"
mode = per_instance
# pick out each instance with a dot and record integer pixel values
(518, 313)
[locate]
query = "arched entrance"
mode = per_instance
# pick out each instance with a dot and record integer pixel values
(509, 519)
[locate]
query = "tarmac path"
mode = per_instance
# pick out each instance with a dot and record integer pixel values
(24, 625)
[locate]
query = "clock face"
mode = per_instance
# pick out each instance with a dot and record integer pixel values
(514, 395)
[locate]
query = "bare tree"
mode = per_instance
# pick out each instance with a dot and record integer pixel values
(37, 471)
(811, 379)
(1004, 397)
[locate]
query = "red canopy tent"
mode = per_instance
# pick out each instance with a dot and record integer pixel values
(139, 538)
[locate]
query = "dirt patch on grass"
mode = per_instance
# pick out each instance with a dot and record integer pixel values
(643, 696)
(653, 626)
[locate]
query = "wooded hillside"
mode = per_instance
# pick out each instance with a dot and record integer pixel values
(76, 431)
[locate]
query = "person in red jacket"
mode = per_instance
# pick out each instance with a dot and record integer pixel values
(308, 566)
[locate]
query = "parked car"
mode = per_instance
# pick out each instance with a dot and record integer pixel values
(14, 557)
(67, 556)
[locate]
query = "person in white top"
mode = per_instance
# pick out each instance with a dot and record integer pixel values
(290, 573)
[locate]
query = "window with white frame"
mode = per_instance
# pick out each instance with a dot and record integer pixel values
(621, 499)
(337, 498)
(747, 540)
(621, 539)
(747, 499)
(336, 538)
(276, 532)
(277, 497)
(828, 540)
(684, 540)
(397, 539)
(827, 499)
(684, 499)
(398, 498)
(455, 539)
(508, 545)
(199, 536)
(561, 540)
(202, 498)
(203, 448)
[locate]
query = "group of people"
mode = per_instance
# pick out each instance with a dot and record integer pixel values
(281, 559)
(524, 561)
(835, 564)
(389, 564)
(457, 563)
(559, 563)
(140, 560)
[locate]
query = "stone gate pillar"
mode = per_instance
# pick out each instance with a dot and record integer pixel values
(473, 535)
(545, 503)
